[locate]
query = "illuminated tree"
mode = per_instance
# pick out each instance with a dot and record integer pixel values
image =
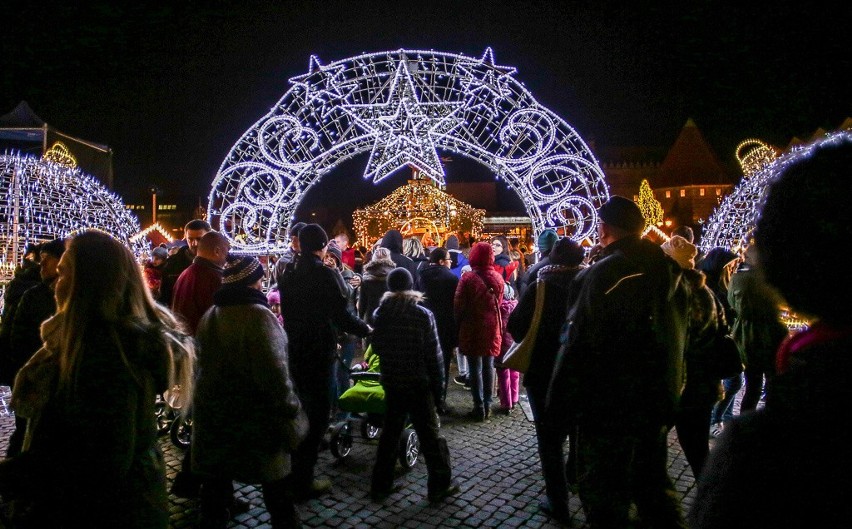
(650, 206)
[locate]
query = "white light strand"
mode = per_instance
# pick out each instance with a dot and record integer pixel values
(402, 106)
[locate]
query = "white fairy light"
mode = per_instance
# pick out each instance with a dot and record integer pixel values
(402, 106)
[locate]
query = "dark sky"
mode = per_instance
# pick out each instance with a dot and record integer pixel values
(171, 86)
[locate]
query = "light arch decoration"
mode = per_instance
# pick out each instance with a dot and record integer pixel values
(42, 200)
(732, 224)
(401, 106)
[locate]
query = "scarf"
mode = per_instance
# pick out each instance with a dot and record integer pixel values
(239, 295)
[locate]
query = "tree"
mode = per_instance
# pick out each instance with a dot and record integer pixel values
(650, 206)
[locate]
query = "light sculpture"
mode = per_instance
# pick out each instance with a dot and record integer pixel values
(41, 200)
(401, 107)
(753, 155)
(732, 223)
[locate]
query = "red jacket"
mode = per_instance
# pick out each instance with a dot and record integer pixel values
(193, 292)
(477, 305)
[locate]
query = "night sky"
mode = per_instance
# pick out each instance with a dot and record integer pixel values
(171, 86)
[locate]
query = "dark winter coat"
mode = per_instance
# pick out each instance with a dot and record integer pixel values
(477, 305)
(93, 448)
(438, 285)
(373, 286)
(504, 264)
(172, 269)
(25, 278)
(757, 327)
(244, 397)
(623, 357)
(314, 311)
(193, 292)
(36, 306)
(706, 319)
(405, 338)
(543, 359)
(392, 240)
(531, 275)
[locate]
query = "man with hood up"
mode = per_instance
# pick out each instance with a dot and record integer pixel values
(618, 375)
(392, 240)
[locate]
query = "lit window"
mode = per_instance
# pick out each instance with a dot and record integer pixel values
(701, 191)
(668, 194)
(718, 192)
(683, 192)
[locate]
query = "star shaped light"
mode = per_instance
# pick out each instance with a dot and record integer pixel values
(485, 81)
(325, 83)
(405, 129)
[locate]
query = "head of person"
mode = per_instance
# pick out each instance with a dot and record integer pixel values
(412, 247)
(685, 232)
(481, 255)
(381, 255)
(718, 265)
(313, 240)
(399, 280)
(619, 217)
(243, 272)
(294, 236)
(193, 232)
(333, 256)
(452, 243)
(566, 252)
(392, 240)
(342, 240)
(49, 255)
(440, 256)
(214, 247)
(159, 256)
(500, 245)
(681, 250)
(803, 217)
(546, 239)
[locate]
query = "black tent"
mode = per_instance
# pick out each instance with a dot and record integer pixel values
(22, 130)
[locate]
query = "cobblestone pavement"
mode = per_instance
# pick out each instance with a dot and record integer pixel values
(496, 463)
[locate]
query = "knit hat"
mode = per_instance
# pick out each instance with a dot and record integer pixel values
(160, 252)
(566, 252)
(334, 249)
(680, 250)
(546, 240)
(296, 228)
(399, 279)
(508, 291)
(622, 213)
(242, 271)
(312, 238)
(452, 242)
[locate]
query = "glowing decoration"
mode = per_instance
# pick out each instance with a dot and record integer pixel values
(403, 107)
(41, 200)
(651, 209)
(733, 222)
(753, 155)
(415, 207)
(59, 154)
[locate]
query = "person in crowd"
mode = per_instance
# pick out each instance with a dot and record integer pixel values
(508, 380)
(718, 266)
(758, 329)
(26, 276)
(546, 239)
(288, 256)
(438, 285)
(36, 305)
(701, 389)
(477, 312)
(413, 249)
(457, 257)
(273, 297)
(153, 270)
(619, 374)
(347, 253)
(503, 262)
(193, 291)
(687, 233)
(517, 257)
(350, 285)
(392, 240)
(786, 465)
(565, 262)
(315, 310)
(91, 455)
(405, 339)
(182, 258)
(247, 419)
(374, 283)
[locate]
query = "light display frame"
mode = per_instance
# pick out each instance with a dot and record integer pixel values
(401, 106)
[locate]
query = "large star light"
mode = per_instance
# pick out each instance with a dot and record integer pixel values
(405, 129)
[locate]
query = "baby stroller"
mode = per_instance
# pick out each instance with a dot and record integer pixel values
(365, 402)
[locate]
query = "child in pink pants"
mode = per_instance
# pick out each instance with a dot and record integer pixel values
(508, 380)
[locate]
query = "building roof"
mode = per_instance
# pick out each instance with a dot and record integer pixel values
(691, 161)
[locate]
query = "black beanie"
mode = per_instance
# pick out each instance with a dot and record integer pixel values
(399, 279)
(296, 228)
(622, 213)
(452, 242)
(566, 252)
(312, 238)
(242, 272)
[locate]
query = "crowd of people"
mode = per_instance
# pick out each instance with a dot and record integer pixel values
(623, 352)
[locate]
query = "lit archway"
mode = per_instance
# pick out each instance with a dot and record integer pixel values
(401, 106)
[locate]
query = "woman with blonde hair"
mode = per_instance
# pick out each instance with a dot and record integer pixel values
(91, 456)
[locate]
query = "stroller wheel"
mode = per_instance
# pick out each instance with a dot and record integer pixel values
(369, 431)
(409, 448)
(340, 441)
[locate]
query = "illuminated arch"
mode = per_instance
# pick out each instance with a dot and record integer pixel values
(401, 106)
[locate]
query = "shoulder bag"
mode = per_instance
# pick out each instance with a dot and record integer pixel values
(519, 354)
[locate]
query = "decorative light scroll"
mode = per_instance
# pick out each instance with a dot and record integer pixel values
(402, 107)
(41, 200)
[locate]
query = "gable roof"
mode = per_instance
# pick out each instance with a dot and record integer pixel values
(21, 117)
(691, 161)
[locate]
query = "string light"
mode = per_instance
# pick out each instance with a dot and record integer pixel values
(402, 106)
(753, 155)
(651, 209)
(59, 154)
(41, 200)
(415, 205)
